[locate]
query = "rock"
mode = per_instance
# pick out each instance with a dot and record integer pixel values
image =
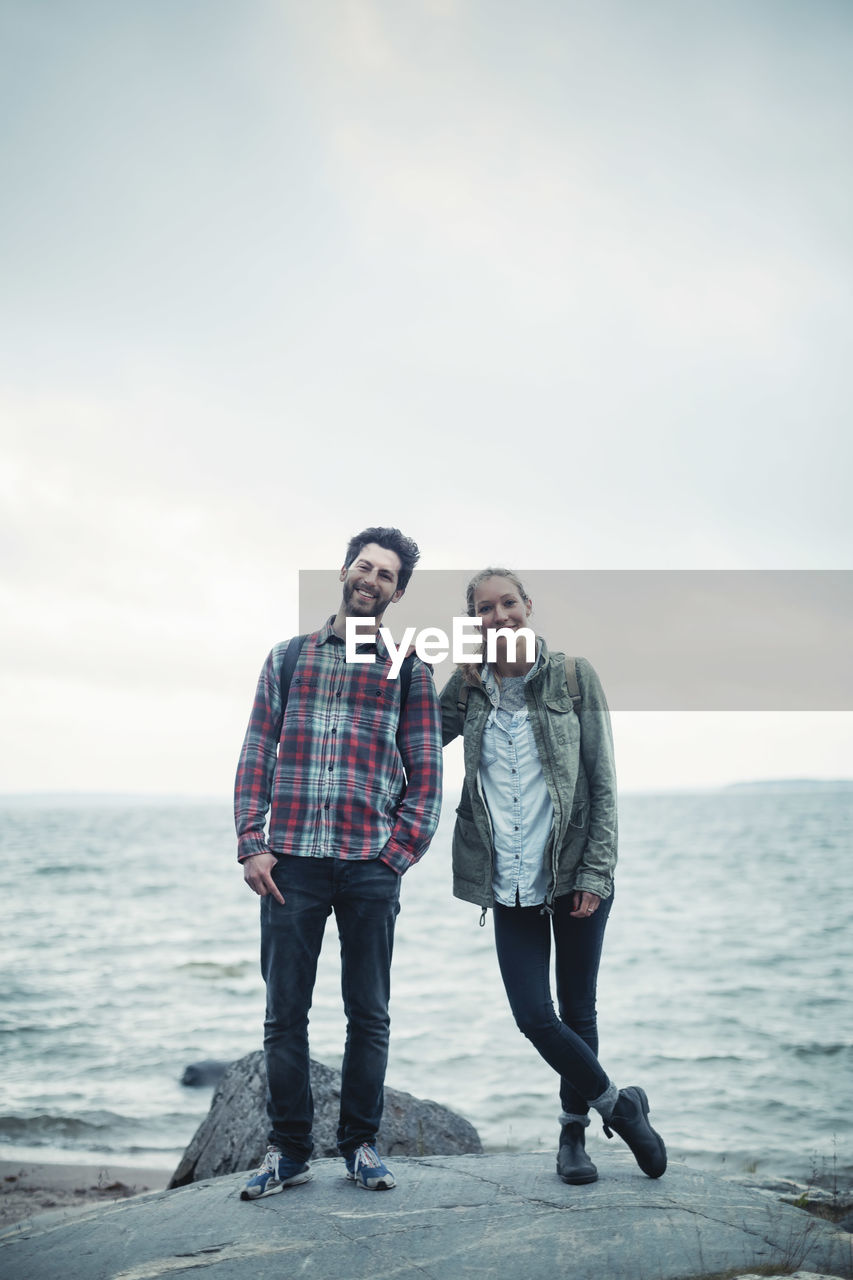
(788, 1275)
(449, 1216)
(232, 1137)
(208, 1071)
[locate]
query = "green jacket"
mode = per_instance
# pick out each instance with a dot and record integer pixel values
(576, 752)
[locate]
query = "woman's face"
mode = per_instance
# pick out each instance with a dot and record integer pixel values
(498, 602)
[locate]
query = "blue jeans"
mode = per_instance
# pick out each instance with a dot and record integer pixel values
(569, 1043)
(365, 897)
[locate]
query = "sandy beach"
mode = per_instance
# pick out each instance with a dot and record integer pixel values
(27, 1188)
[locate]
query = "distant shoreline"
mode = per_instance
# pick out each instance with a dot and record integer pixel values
(106, 798)
(789, 785)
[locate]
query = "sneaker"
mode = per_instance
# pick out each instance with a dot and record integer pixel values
(276, 1172)
(365, 1168)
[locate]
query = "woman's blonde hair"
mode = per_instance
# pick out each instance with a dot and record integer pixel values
(469, 669)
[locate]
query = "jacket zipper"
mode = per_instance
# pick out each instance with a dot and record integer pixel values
(555, 849)
(481, 794)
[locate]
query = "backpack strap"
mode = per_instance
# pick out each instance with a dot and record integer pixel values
(406, 678)
(291, 658)
(572, 684)
(288, 667)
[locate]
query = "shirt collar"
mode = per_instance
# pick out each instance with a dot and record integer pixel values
(489, 680)
(327, 633)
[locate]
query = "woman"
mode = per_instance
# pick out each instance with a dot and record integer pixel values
(535, 839)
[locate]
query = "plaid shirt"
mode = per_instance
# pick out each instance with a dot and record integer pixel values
(342, 772)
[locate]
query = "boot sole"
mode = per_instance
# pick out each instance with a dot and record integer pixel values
(580, 1181)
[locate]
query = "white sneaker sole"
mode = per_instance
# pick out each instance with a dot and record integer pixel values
(295, 1181)
(382, 1184)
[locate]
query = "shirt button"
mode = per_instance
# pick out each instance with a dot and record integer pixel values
(331, 767)
(327, 805)
(516, 828)
(338, 694)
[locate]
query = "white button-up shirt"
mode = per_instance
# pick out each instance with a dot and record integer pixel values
(519, 803)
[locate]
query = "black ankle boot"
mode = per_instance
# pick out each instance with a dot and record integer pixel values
(573, 1164)
(630, 1119)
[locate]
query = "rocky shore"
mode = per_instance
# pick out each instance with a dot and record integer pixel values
(453, 1216)
(455, 1212)
(28, 1188)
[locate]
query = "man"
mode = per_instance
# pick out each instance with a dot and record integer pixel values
(352, 781)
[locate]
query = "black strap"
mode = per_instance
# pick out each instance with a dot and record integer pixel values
(571, 684)
(288, 667)
(406, 678)
(291, 658)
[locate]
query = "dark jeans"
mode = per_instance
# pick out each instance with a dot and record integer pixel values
(365, 897)
(569, 1043)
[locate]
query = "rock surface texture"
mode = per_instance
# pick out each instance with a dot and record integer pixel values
(232, 1137)
(448, 1218)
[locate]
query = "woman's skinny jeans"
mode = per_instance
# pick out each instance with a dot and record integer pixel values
(568, 1043)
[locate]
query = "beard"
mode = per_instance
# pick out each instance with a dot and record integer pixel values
(356, 604)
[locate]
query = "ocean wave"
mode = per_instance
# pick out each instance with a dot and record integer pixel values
(217, 969)
(820, 1049)
(42, 1128)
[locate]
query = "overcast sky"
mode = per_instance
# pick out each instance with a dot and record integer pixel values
(556, 285)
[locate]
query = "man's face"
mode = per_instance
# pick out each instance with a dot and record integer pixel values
(370, 582)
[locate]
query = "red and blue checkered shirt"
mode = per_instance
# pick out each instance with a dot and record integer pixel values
(343, 772)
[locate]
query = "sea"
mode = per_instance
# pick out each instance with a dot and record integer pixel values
(130, 950)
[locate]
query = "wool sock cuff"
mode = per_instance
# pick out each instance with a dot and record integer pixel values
(606, 1101)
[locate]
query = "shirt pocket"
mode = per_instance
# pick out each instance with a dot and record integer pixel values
(489, 744)
(302, 701)
(376, 706)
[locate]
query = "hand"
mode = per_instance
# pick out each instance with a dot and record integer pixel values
(257, 872)
(585, 904)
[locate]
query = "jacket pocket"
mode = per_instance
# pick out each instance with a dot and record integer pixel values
(563, 724)
(580, 801)
(471, 857)
(579, 814)
(559, 702)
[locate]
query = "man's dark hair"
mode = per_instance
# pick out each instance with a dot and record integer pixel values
(390, 540)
